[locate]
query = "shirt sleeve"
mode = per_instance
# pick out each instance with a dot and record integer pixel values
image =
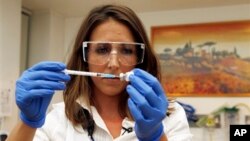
(54, 123)
(176, 126)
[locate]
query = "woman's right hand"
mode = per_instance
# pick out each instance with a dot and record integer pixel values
(35, 88)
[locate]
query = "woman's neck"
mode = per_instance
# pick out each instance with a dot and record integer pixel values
(107, 106)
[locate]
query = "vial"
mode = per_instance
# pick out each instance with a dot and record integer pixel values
(125, 76)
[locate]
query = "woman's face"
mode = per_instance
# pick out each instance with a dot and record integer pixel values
(110, 31)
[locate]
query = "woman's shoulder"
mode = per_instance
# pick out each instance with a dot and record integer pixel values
(176, 124)
(176, 117)
(57, 107)
(56, 112)
(55, 124)
(178, 112)
(56, 117)
(178, 107)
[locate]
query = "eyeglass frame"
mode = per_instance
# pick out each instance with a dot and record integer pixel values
(84, 45)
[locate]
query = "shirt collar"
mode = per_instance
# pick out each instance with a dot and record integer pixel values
(126, 123)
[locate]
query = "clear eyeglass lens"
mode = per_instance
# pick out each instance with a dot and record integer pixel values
(99, 53)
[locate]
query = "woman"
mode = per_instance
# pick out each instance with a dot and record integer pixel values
(111, 40)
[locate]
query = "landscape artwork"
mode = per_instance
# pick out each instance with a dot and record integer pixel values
(206, 59)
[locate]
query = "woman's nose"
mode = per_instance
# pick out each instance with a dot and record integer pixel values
(113, 60)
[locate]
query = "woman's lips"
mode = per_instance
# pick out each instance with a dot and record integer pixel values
(112, 80)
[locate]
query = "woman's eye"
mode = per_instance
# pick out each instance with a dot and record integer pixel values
(103, 49)
(127, 49)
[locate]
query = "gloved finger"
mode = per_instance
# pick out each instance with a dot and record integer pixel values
(25, 97)
(142, 104)
(40, 93)
(48, 65)
(134, 111)
(47, 100)
(43, 96)
(151, 81)
(145, 90)
(45, 75)
(41, 84)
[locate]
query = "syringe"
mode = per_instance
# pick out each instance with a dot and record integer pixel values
(85, 73)
(122, 76)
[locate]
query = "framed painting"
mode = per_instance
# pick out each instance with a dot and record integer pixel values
(206, 59)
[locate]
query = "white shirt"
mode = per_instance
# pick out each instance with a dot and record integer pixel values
(58, 128)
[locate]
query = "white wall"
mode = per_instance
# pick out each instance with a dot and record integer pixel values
(189, 16)
(39, 37)
(57, 37)
(71, 28)
(1, 40)
(10, 28)
(46, 37)
(47, 40)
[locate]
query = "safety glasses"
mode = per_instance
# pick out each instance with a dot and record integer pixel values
(100, 53)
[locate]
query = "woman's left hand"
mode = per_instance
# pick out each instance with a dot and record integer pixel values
(148, 105)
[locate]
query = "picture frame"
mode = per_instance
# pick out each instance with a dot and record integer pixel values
(204, 59)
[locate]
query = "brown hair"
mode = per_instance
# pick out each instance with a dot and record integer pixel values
(81, 86)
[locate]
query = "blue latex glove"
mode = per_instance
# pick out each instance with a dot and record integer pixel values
(148, 105)
(35, 88)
